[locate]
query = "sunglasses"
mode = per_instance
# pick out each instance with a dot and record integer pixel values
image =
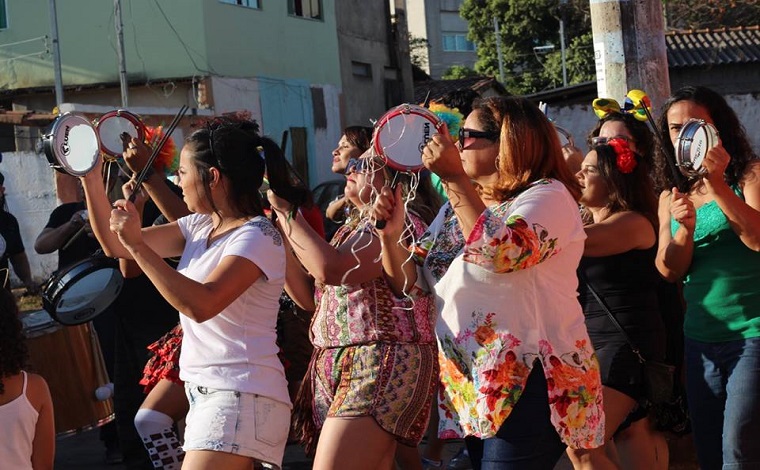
(599, 140)
(358, 165)
(469, 133)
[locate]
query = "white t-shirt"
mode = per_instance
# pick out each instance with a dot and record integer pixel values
(236, 349)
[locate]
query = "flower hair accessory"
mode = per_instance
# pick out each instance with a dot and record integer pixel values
(625, 157)
(167, 159)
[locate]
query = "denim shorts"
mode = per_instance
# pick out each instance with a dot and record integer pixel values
(236, 423)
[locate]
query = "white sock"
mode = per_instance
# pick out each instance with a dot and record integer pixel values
(157, 432)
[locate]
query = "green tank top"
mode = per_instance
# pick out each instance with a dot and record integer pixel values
(722, 286)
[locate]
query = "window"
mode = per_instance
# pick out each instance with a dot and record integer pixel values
(457, 43)
(245, 3)
(3, 15)
(361, 69)
(305, 8)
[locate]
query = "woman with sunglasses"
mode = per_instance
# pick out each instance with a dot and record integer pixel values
(618, 267)
(226, 288)
(520, 379)
(709, 237)
(374, 367)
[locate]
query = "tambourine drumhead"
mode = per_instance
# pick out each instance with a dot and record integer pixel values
(71, 146)
(78, 293)
(401, 135)
(565, 138)
(112, 125)
(694, 140)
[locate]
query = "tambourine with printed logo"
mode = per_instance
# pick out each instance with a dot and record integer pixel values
(401, 135)
(71, 144)
(694, 140)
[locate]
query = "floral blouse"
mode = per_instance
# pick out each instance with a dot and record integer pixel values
(365, 313)
(507, 297)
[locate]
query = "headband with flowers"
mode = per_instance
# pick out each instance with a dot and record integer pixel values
(625, 160)
(635, 103)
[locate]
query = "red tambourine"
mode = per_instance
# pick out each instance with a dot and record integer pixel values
(401, 135)
(112, 125)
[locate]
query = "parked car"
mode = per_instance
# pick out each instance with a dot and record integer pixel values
(324, 194)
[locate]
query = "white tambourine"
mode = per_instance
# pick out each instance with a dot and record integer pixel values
(71, 144)
(694, 140)
(401, 135)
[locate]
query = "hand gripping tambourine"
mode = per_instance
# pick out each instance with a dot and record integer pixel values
(694, 140)
(113, 126)
(401, 135)
(71, 144)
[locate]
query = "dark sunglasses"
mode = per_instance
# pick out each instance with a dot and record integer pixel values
(465, 133)
(599, 140)
(358, 165)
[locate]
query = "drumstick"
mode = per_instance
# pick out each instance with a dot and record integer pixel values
(73, 237)
(156, 150)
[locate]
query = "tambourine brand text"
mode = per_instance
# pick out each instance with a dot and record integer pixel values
(425, 136)
(65, 145)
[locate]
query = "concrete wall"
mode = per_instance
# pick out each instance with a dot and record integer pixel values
(30, 192)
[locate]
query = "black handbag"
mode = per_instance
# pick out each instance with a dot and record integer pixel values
(658, 376)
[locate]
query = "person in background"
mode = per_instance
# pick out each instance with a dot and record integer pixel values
(618, 266)
(709, 236)
(12, 247)
(354, 142)
(68, 232)
(374, 367)
(26, 408)
(520, 378)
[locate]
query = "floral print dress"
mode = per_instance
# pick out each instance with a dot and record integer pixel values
(506, 298)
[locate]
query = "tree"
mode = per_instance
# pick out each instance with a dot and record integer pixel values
(530, 27)
(524, 26)
(418, 51)
(456, 72)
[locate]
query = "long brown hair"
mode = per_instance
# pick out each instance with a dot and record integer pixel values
(529, 148)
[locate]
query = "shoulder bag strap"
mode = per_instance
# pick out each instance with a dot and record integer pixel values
(617, 324)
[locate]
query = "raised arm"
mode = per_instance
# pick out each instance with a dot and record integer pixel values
(354, 262)
(53, 238)
(619, 233)
(399, 268)
(298, 284)
(674, 252)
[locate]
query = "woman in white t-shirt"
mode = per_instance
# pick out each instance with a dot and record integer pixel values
(226, 288)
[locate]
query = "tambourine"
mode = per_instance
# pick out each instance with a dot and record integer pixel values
(112, 125)
(79, 292)
(694, 140)
(401, 135)
(71, 144)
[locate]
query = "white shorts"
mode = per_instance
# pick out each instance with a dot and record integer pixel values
(237, 423)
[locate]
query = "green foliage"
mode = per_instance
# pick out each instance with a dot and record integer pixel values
(525, 25)
(681, 14)
(458, 71)
(418, 51)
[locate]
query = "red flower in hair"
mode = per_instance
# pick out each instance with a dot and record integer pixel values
(626, 159)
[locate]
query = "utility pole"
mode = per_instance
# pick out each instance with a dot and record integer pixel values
(562, 4)
(120, 51)
(56, 54)
(629, 49)
(498, 49)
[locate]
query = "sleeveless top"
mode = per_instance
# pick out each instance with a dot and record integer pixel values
(18, 420)
(721, 285)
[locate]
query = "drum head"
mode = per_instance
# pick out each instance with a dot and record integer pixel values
(401, 135)
(81, 292)
(694, 140)
(72, 145)
(115, 123)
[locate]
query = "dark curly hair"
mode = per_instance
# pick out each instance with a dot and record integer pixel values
(733, 136)
(359, 136)
(13, 352)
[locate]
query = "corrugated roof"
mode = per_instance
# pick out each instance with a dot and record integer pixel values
(706, 47)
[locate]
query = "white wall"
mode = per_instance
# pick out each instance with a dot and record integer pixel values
(30, 192)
